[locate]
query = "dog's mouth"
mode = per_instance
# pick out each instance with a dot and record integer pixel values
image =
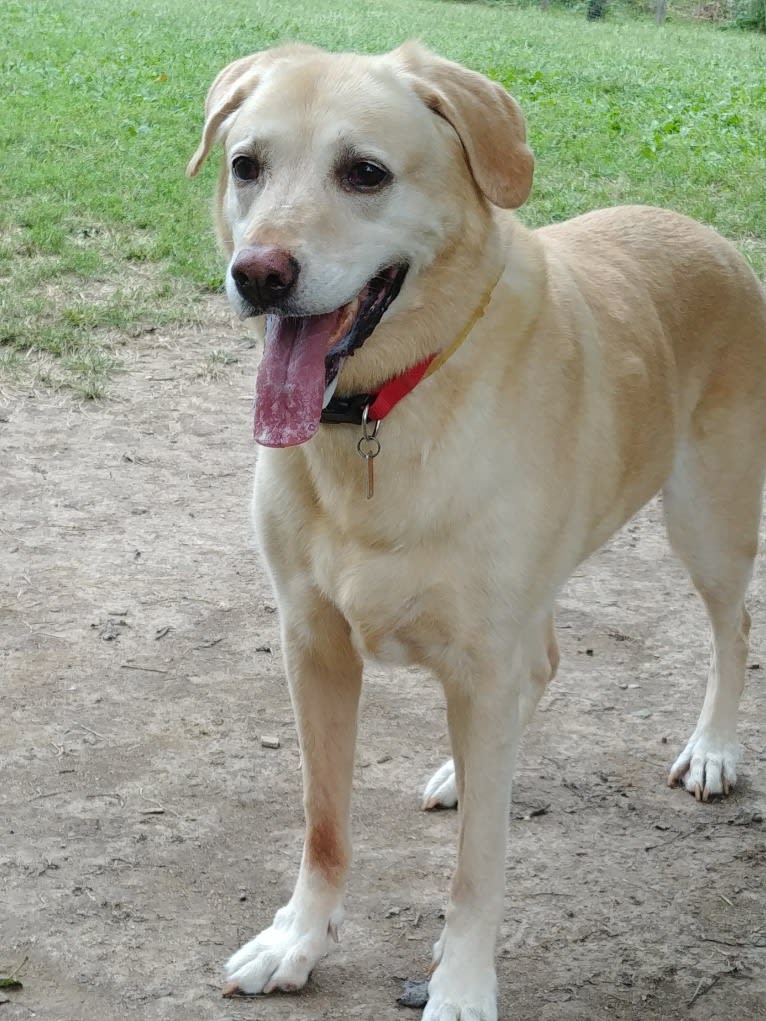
(303, 356)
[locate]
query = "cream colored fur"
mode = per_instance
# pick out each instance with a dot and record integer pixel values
(622, 354)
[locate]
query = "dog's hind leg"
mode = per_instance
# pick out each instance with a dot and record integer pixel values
(324, 673)
(441, 791)
(712, 505)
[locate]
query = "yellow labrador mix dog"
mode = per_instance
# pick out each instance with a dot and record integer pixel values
(455, 411)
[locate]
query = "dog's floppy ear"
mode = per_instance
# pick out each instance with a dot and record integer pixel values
(225, 95)
(488, 121)
(230, 89)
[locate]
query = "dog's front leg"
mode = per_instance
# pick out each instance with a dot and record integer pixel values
(485, 730)
(324, 674)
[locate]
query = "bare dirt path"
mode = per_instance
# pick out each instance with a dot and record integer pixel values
(145, 832)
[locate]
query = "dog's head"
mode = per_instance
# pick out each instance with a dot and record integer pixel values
(345, 177)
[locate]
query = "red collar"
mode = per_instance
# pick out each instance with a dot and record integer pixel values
(351, 409)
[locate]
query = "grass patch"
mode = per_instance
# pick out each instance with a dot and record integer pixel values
(102, 235)
(216, 364)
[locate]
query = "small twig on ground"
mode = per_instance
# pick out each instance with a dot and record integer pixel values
(48, 634)
(117, 797)
(159, 810)
(724, 942)
(679, 836)
(11, 981)
(147, 669)
(602, 931)
(699, 991)
(547, 893)
(208, 645)
(95, 733)
(736, 970)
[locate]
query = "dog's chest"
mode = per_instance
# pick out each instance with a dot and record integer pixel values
(402, 606)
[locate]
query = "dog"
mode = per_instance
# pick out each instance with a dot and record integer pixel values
(454, 412)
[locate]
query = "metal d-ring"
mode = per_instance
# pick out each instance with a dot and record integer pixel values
(369, 444)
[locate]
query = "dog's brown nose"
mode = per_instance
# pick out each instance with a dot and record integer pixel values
(264, 275)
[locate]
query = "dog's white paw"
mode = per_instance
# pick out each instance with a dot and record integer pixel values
(707, 766)
(281, 957)
(465, 998)
(441, 789)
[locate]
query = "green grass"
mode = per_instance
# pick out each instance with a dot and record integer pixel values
(102, 236)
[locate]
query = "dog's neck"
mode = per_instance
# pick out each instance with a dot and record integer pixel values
(358, 408)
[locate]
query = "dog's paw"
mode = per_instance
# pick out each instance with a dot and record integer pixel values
(707, 767)
(469, 998)
(441, 789)
(281, 957)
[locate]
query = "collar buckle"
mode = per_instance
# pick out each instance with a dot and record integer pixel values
(347, 410)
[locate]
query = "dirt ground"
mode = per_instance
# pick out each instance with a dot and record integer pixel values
(145, 832)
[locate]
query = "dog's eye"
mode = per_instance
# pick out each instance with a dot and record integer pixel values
(245, 168)
(366, 176)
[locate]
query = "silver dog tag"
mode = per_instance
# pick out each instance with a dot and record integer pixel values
(368, 447)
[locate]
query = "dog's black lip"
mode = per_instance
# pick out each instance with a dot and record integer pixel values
(392, 275)
(383, 288)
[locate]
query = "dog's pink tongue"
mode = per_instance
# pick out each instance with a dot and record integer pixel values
(290, 386)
